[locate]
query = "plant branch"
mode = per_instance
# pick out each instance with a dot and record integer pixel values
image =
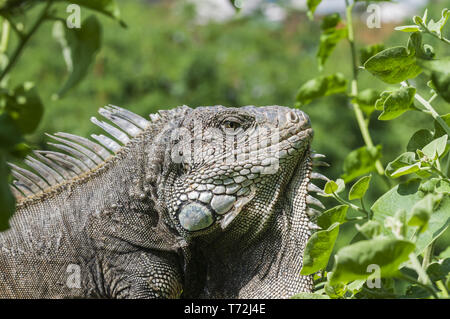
(423, 276)
(23, 41)
(431, 110)
(362, 123)
(427, 255)
(437, 36)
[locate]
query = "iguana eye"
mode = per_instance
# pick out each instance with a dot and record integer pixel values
(231, 125)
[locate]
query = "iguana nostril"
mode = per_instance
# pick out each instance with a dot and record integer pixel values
(292, 117)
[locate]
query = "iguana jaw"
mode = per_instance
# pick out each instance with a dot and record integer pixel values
(282, 278)
(259, 257)
(302, 135)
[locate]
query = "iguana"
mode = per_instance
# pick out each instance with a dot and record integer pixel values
(210, 202)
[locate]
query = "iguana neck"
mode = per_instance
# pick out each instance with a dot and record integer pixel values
(268, 264)
(112, 198)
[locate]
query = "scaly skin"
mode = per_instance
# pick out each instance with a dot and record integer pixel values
(208, 201)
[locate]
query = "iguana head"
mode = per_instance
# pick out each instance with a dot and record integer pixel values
(235, 180)
(221, 159)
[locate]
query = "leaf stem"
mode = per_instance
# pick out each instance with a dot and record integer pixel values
(427, 255)
(362, 123)
(414, 281)
(440, 37)
(431, 110)
(447, 165)
(353, 206)
(432, 98)
(443, 288)
(438, 172)
(23, 41)
(423, 276)
(5, 36)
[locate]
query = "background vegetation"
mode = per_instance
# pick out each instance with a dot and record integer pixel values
(163, 58)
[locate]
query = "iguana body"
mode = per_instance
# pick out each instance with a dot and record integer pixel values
(208, 202)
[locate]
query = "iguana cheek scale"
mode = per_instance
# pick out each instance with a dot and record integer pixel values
(212, 202)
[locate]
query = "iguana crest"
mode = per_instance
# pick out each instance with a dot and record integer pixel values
(81, 157)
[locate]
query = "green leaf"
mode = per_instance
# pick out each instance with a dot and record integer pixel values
(359, 188)
(367, 52)
(7, 200)
(369, 229)
(334, 187)
(106, 7)
(435, 185)
(403, 197)
(318, 249)
(366, 100)
(436, 148)
(439, 270)
(393, 65)
(439, 70)
(419, 140)
(330, 187)
(10, 135)
(379, 104)
(421, 211)
(438, 26)
(321, 86)
(445, 254)
(405, 164)
(417, 20)
(312, 5)
(25, 107)
(352, 261)
(236, 4)
(416, 292)
(416, 48)
(425, 16)
(336, 291)
(397, 102)
(355, 286)
(360, 162)
(330, 37)
(438, 129)
(397, 224)
(307, 295)
(80, 47)
(408, 28)
(333, 215)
